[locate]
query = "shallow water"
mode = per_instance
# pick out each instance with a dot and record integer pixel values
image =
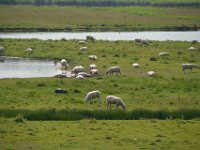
(14, 67)
(111, 36)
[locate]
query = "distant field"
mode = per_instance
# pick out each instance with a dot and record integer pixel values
(92, 134)
(54, 18)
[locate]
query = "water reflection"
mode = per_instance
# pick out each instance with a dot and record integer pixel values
(14, 67)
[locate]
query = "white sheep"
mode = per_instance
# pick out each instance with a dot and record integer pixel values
(29, 50)
(92, 66)
(188, 66)
(92, 95)
(163, 54)
(136, 65)
(151, 73)
(77, 69)
(82, 42)
(94, 72)
(64, 64)
(92, 57)
(110, 99)
(85, 74)
(114, 69)
(83, 48)
(80, 77)
(192, 48)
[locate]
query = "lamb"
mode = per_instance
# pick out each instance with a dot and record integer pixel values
(110, 99)
(92, 95)
(94, 72)
(83, 48)
(92, 57)
(188, 66)
(151, 73)
(114, 69)
(84, 74)
(82, 42)
(77, 69)
(92, 66)
(163, 54)
(80, 77)
(135, 65)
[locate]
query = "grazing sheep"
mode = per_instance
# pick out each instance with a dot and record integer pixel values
(151, 73)
(80, 77)
(82, 42)
(188, 66)
(192, 48)
(64, 64)
(114, 69)
(92, 57)
(145, 42)
(136, 65)
(92, 95)
(60, 90)
(83, 48)
(94, 72)
(163, 54)
(29, 50)
(60, 75)
(115, 100)
(77, 69)
(92, 66)
(84, 74)
(91, 38)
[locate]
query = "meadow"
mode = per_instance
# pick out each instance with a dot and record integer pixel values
(133, 18)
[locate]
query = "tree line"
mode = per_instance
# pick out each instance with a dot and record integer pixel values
(98, 3)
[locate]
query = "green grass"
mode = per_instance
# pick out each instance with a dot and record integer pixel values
(54, 18)
(95, 134)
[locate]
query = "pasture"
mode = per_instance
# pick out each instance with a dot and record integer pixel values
(133, 18)
(34, 117)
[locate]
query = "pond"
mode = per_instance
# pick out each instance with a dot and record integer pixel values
(15, 67)
(111, 36)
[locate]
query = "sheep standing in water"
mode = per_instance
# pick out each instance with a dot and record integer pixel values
(114, 100)
(64, 64)
(114, 69)
(188, 66)
(92, 95)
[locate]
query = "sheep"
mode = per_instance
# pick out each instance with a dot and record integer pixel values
(60, 75)
(92, 95)
(163, 54)
(83, 48)
(188, 66)
(77, 69)
(84, 74)
(138, 40)
(110, 99)
(2, 50)
(92, 66)
(29, 50)
(145, 42)
(60, 90)
(91, 38)
(151, 73)
(92, 57)
(192, 48)
(64, 64)
(94, 72)
(136, 65)
(80, 77)
(114, 69)
(82, 42)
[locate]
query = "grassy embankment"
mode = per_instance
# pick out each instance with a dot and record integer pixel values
(54, 18)
(98, 135)
(171, 94)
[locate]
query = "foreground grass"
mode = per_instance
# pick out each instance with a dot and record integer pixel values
(30, 18)
(94, 134)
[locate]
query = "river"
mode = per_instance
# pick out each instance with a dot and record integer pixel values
(111, 36)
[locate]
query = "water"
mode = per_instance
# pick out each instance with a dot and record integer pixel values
(111, 36)
(14, 67)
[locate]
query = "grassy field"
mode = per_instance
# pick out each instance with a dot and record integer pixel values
(34, 117)
(93, 134)
(54, 18)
